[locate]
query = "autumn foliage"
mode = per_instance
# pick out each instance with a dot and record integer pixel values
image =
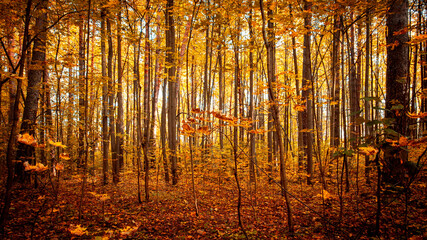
(224, 119)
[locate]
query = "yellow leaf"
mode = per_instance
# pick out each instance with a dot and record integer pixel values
(128, 230)
(56, 144)
(326, 195)
(78, 230)
(368, 151)
(104, 197)
(257, 131)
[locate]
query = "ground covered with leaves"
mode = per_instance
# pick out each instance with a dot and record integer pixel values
(51, 211)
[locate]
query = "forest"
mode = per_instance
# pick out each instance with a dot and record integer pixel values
(213, 119)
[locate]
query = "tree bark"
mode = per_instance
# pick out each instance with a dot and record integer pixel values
(397, 90)
(269, 41)
(35, 76)
(120, 110)
(111, 108)
(105, 142)
(171, 79)
(81, 87)
(10, 152)
(147, 81)
(307, 93)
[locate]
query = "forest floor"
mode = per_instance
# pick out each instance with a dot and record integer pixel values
(51, 211)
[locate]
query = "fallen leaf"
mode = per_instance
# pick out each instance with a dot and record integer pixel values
(78, 230)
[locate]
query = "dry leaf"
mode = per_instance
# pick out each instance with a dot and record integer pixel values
(78, 230)
(27, 139)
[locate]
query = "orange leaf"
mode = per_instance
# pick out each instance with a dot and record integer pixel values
(196, 110)
(204, 130)
(64, 156)
(59, 167)
(417, 115)
(191, 119)
(403, 141)
(299, 108)
(187, 128)
(27, 139)
(400, 32)
(393, 142)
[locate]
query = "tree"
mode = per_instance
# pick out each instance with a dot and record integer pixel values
(111, 108)
(120, 111)
(307, 93)
(81, 87)
(35, 75)
(335, 88)
(252, 152)
(397, 90)
(171, 79)
(147, 81)
(10, 152)
(105, 142)
(269, 43)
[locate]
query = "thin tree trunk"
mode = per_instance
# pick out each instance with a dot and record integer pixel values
(354, 89)
(268, 36)
(105, 141)
(146, 141)
(298, 94)
(252, 156)
(172, 101)
(308, 94)
(111, 92)
(81, 87)
(10, 152)
(120, 117)
(368, 128)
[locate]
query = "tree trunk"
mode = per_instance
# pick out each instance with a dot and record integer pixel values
(252, 153)
(120, 117)
(397, 91)
(105, 142)
(111, 107)
(335, 90)
(10, 152)
(354, 87)
(269, 42)
(172, 101)
(307, 93)
(81, 87)
(35, 75)
(147, 80)
(368, 128)
(298, 94)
